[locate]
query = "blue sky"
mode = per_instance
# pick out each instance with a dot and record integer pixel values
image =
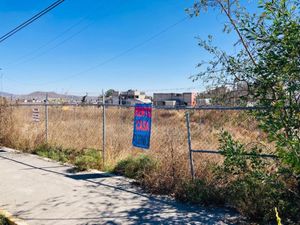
(67, 49)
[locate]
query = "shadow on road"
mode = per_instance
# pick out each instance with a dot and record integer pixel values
(88, 176)
(112, 200)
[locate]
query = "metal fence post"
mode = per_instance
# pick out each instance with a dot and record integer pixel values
(103, 129)
(187, 116)
(46, 119)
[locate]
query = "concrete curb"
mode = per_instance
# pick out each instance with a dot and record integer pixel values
(12, 220)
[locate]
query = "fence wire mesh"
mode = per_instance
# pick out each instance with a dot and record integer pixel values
(80, 127)
(168, 135)
(205, 128)
(21, 129)
(75, 127)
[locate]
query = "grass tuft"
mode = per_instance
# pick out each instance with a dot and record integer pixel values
(83, 160)
(90, 159)
(3, 220)
(135, 167)
(199, 192)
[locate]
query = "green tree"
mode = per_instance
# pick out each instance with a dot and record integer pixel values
(109, 92)
(268, 62)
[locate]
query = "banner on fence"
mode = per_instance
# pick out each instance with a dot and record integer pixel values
(35, 115)
(142, 125)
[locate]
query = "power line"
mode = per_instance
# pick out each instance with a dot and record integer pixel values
(55, 46)
(113, 57)
(121, 53)
(31, 20)
(23, 59)
(20, 59)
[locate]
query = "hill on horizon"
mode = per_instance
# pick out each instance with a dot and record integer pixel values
(41, 95)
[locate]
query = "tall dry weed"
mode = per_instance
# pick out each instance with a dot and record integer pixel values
(80, 127)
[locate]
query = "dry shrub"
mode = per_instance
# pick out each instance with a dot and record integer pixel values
(4, 124)
(20, 131)
(80, 127)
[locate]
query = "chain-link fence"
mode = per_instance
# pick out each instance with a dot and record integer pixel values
(204, 128)
(79, 127)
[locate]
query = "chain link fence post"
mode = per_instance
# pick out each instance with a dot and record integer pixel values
(187, 116)
(103, 129)
(46, 119)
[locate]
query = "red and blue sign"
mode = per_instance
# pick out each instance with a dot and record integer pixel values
(142, 125)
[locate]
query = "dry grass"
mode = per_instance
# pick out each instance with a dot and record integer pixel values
(77, 127)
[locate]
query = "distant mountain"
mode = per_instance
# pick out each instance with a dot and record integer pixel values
(6, 94)
(41, 95)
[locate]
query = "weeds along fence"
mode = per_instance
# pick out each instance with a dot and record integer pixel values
(208, 150)
(80, 127)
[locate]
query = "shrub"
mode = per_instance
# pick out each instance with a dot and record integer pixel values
(3, 220)
(135, 167)
(83, 160)
(90, 159)
(198, 191)
(4, 121)
(252, 187)
(55, 153)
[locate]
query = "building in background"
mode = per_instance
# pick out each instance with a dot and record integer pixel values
(175, 99)
(113, 98)
(130, 97)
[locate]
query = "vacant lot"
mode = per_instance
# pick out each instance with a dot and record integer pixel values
(78, 128)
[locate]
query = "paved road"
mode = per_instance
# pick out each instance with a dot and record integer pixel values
(45, 192)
